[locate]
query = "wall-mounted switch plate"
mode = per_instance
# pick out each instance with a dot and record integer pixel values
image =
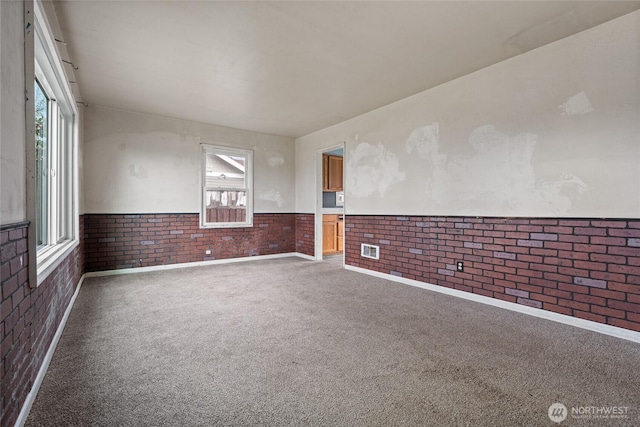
(460, 266)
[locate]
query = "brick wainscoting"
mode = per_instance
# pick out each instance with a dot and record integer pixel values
(305, 231)
(114, 241)
(30, 316)
(578, 267)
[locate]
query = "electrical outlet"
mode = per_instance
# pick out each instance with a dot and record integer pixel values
(460, 266)
(207, 252)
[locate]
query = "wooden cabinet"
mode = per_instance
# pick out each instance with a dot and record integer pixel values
(332, 234)
(332, 173)
(329, 233)
(335, 173)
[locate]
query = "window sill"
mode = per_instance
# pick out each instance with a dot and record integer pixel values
(227, 225)
(52, 258)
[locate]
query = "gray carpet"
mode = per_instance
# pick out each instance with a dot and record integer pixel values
(337, 259)
(296, 342)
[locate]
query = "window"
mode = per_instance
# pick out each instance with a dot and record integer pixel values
(54, 155)
(227, 199)
(42, 163)
(52, 171)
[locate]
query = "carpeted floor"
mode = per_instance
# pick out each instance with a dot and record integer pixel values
(295, 342)
(337, 259)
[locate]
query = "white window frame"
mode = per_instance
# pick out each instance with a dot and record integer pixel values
(62, 218)
(226, 151)
(369, 251)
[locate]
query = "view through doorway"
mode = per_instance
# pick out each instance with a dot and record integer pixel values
(330, 205)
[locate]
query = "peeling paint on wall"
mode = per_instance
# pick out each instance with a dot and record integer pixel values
(563, 140)
(502, 171)
(272, 196)
(372, 169)
(500, 165)
(576, 105)
(559, 194)
(128, 156)
(138, 171)
(425, 140)
(275, 160)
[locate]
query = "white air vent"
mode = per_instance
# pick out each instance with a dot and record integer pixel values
(370, 251)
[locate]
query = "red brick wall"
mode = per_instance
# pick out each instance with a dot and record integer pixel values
(30, 317)
(585, 268)
(305, 231)
(114, 241)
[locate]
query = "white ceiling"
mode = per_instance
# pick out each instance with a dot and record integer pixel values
(291, 68)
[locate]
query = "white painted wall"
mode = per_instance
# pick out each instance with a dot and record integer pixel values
(140, 163)
(554, 133)
(12, 117)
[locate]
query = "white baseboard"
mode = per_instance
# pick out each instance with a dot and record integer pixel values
(31, 397)
(614, 331)
(304, 256)
(193, 264)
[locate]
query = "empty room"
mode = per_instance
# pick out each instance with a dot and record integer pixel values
(320, 213)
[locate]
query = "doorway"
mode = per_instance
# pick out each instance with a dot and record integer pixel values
(329, 218)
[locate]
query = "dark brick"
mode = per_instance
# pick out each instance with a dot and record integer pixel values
(589, 316)
(624, 324)
(590, 231)
(626, 306)
(23, 322)
(608, 294)
(612, 241)
(565, 265)
(590, 248)
(9, 286)
(609, 312)
(558, 309)
(544, 298)
(590, 299)
(610, 224)
(574, 304)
